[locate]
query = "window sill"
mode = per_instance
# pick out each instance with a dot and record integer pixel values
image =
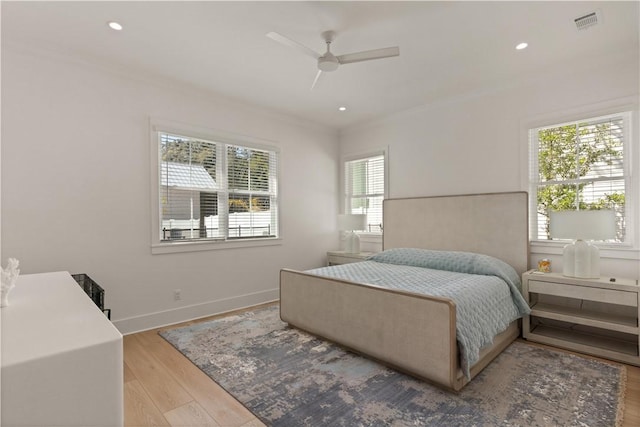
(180, 247)
(606, 251)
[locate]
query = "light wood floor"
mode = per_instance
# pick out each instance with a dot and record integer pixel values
(163, 388)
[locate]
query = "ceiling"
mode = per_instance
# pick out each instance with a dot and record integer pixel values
(447, 49)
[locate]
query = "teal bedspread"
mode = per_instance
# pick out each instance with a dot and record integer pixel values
(486, 291)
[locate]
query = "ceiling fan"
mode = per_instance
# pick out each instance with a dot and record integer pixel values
(330, 62)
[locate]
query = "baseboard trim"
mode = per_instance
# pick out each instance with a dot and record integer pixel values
(132, 325)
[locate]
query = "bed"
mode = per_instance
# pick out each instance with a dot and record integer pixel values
(410, 331)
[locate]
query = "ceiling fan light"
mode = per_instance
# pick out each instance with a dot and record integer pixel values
(328, 63)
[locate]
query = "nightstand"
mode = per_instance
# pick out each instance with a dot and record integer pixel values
(593, 316)
(342, 257)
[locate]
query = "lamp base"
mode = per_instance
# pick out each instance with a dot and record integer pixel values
(582, 260)
(352, 243)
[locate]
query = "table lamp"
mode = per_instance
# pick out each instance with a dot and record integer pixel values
(352, 222)
(580, 258)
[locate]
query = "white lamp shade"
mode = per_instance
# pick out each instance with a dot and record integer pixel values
(351, 222)
(583, 225)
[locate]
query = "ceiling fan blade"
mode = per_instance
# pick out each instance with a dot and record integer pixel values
(291, 43)
(368, 55)
(315, 81)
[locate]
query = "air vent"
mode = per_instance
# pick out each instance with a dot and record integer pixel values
(588, 20)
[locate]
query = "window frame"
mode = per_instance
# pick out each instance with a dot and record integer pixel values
(158, 246)
(375, 236)
(629, 105)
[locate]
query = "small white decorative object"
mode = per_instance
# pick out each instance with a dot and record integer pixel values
(9, 276)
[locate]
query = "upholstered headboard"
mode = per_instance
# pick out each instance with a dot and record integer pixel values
(494, 224)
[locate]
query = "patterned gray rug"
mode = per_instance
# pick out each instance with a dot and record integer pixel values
(289, 378)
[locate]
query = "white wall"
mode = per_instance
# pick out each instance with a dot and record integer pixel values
(475, 143)
(76, 189)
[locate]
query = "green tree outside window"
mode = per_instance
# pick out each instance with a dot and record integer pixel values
(580, 166)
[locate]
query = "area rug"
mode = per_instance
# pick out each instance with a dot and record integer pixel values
(289, 378)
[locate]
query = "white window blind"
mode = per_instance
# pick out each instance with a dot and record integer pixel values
(251, 178)
(365, 189)
(580, 165)
(216, 191)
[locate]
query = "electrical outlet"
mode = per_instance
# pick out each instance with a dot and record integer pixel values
(177, 294)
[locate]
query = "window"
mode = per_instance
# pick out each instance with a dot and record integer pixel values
(365, 184)
(214, 191)
(580, 165)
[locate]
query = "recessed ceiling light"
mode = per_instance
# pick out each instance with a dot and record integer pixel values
(342, 108)
(114, 25)
(522, 45)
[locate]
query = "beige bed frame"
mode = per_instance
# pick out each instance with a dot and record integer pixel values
(412, 332)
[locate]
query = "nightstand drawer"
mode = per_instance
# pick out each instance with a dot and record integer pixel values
(609, 296)
(337, 260)
(342, 257)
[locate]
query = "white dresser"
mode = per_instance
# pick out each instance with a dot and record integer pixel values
(61, 357)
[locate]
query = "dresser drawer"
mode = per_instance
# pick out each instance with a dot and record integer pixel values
(610, 296)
